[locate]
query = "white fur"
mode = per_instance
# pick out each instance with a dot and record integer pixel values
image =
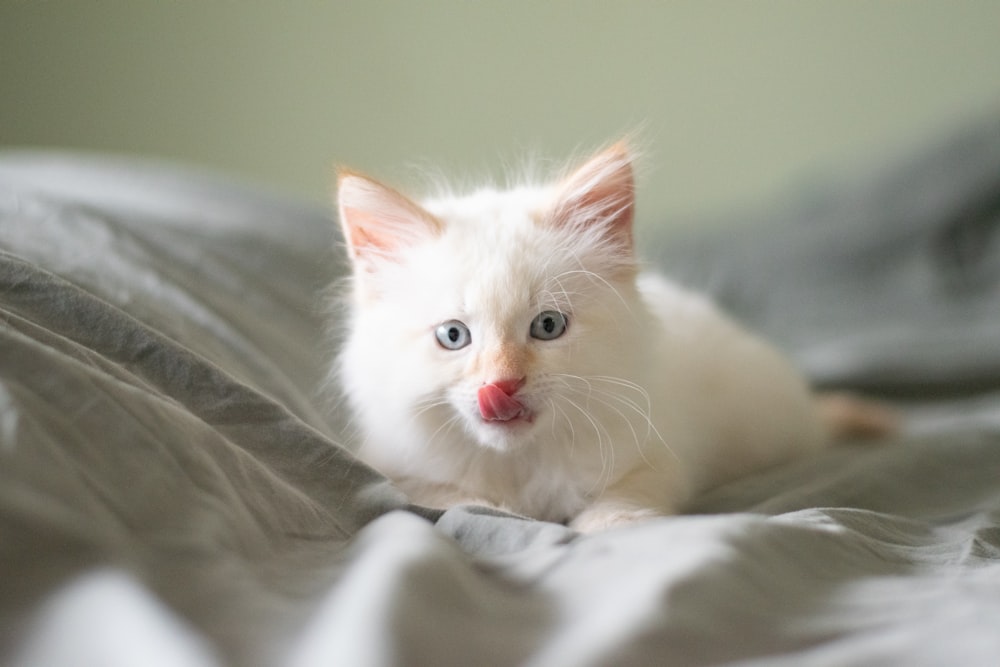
(649, 396)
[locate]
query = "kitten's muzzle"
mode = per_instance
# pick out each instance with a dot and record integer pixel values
(497, 402)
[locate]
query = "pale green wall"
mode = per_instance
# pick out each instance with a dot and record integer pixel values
(737, 99)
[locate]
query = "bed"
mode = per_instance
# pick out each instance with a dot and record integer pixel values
(174, 489)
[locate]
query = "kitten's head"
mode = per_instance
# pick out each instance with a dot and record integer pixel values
(493, 314)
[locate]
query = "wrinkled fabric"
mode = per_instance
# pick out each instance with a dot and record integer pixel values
(175, 487)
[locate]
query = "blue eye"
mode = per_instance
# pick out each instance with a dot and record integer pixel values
(549, 325)
(453, 335)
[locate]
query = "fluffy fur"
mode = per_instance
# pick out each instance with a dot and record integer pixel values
(649, 395)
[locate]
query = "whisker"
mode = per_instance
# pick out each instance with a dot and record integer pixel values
(423, 407)
(605, 397)
(607, 454)
(446, 425)
(569, 422)
(645, 413)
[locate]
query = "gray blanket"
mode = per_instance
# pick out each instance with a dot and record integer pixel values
(173, 490)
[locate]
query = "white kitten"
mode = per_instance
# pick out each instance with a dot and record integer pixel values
(504, 349)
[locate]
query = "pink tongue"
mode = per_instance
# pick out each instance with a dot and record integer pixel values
(496, 405)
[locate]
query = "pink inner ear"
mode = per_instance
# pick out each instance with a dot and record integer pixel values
(362, 235)
(601, 191)
(377, 219)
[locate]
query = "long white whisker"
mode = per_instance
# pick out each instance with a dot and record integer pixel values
(605, 397)
(645, 413)
(607, 454)
(430, 404)
(446, 426)
(594, 394)
(556, 408)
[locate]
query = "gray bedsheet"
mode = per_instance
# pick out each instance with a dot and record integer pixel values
(173, 489)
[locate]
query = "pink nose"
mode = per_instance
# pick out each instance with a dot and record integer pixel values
(497, 402)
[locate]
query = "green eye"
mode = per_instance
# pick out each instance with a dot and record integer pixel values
(453, 335)
(549, 325)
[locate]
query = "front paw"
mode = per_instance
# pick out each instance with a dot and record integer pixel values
(598, 518)
(483, 503)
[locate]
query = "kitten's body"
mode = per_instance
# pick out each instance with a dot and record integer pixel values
(648, 395)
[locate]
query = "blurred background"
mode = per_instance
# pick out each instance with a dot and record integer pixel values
(735, 101)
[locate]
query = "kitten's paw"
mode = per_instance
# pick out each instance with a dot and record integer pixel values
(597, 518)
(485, 504)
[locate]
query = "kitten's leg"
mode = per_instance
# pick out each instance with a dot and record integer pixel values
(848, 417)
(608, 512)
(638, 496)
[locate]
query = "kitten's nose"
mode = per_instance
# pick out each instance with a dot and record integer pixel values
(497, 402)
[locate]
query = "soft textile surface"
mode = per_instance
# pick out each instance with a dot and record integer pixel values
(173, 490)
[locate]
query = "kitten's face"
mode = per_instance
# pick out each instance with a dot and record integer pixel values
(496, 322)
(489, 315)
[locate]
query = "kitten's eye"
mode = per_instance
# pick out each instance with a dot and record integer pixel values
(548, 325)
(453, 335)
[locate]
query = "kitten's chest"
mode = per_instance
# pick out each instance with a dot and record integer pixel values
(538, 486)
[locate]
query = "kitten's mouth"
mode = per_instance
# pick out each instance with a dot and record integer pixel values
(522, 417)
(497, 404)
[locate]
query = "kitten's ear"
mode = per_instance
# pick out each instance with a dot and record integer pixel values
(377, 221)
(600, 192)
